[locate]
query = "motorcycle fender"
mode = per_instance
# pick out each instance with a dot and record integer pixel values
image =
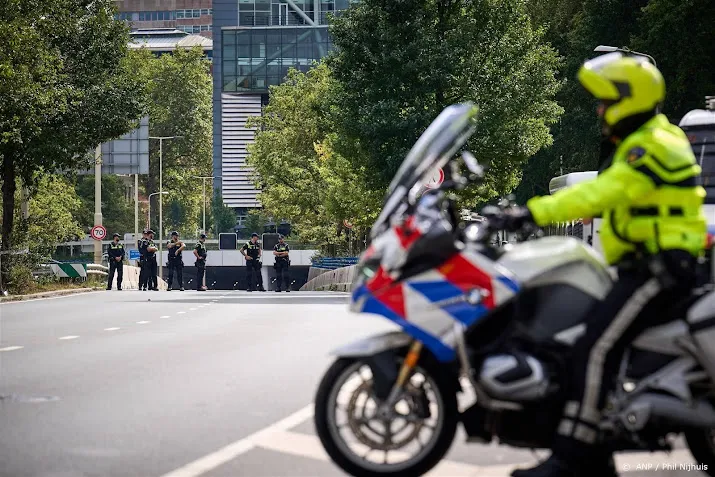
(373, 345)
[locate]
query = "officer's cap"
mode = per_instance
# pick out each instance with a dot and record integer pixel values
(150, 231)
(203, 236)
(115, 235)
(145, 231)
(174, 233)
(254, 234)
(281, 236)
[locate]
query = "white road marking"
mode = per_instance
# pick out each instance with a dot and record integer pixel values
(278, 437)
(72, 295)
(11, 348)
(143, 322)
(233, 450)
(214, 301)
(193, 309)
(112, 329)
(165, 316)
(180, 312)
(70, 337)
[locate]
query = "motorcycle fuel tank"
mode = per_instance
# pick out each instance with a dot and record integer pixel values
(558, 260)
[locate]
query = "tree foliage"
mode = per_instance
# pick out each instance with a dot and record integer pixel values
(178, 95)
(678, 34)
(301, 176)
(223, 219)
(64, 89)
(117, 211)
(398, 64)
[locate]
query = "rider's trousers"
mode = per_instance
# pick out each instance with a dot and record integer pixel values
(638, 301)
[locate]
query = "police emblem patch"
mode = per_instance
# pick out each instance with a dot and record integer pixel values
(635, 154)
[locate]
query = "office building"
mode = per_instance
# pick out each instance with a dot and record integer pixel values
(255, 44)
(190, 16)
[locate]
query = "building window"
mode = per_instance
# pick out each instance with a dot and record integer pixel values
(253, 60)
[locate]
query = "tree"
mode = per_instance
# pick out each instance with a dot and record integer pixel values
(399, 63)
(117, 211)
(255, 222)
(679, 34)
(179, 92)
(302, 178)
(224, 218)
(64, 89)
(52, 204)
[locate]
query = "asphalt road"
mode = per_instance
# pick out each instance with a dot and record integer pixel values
(188, 384)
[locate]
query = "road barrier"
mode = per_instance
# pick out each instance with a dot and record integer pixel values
(340, 279)
(69, 270)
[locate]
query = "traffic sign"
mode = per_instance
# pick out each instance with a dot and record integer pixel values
(435, 179)
(134, 254)
(347, 224)
(98, 232)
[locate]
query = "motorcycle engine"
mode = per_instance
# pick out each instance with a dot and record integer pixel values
(514, 377)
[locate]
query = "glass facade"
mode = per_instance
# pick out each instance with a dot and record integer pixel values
(255, 58)
(280, 13)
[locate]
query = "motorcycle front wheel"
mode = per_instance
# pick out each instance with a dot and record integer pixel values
(412, 442)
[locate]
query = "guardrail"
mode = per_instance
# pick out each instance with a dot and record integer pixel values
(333, 263)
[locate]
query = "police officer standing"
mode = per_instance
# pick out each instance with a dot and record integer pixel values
(200, 253)
(281, 251)
(251, 251)
(142, 244)
(115, 257)
(151, 265)
(176, 263)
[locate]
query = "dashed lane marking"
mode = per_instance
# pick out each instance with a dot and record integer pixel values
(193, 309)
(181, 313)
(112, 329)
(11, 348)
(70, 337)
(143, 322)
(165, 316)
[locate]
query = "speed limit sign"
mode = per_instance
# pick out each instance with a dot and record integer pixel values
(98, 232)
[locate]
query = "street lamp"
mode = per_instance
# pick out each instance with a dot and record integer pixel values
(161, 188)
(148, 222)
(611, 49)
(204, 191)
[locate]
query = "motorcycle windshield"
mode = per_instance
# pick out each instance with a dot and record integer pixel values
(433, 150)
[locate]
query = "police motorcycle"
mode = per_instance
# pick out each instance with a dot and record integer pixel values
(496, 323)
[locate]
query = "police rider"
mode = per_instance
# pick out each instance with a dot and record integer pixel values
(142, 245)
(151, 264)
(653, 230)
(200, 253)
(281, 252)
(251, 251)
(115, 257)
(175, 260)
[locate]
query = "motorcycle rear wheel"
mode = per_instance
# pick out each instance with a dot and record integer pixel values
(429, 455)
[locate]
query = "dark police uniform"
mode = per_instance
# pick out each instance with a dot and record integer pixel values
(113, 252)
(253, 250)
(200, 264)
(282, 264)
(151, 267)
(176, 263)
(142, 245)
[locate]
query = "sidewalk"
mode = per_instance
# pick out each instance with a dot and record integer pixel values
(48, 294)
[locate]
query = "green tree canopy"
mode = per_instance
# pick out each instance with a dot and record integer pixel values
(178, 92)
(301, 176)
(117, 211)
(398, 64)
(64, 89)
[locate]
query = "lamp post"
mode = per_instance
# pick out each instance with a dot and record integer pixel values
(161, 188)
(148, 222)
(203, 178)
(611, 49)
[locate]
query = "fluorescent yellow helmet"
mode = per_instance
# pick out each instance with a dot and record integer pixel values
(628, 85)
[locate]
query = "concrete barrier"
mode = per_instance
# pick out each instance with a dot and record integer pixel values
(130, 280)
(340, 279)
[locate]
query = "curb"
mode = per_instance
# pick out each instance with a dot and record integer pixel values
(50, 294)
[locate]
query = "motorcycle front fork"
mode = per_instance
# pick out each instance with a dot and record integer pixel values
(408, 365)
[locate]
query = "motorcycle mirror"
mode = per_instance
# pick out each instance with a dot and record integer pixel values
(472, 164)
